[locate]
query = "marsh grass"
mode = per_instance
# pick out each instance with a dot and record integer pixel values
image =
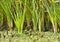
(36, 13)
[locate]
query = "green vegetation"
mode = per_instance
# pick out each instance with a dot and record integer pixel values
(6, 7)
(19, 16)
(28, 17)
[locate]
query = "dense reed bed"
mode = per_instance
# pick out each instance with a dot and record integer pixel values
(35, 15)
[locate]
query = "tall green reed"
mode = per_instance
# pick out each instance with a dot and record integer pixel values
(28, 15)
(41, 16)
(6, 6)
(37, 13)
(53, 14)
(19, 15)
(34, 14)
